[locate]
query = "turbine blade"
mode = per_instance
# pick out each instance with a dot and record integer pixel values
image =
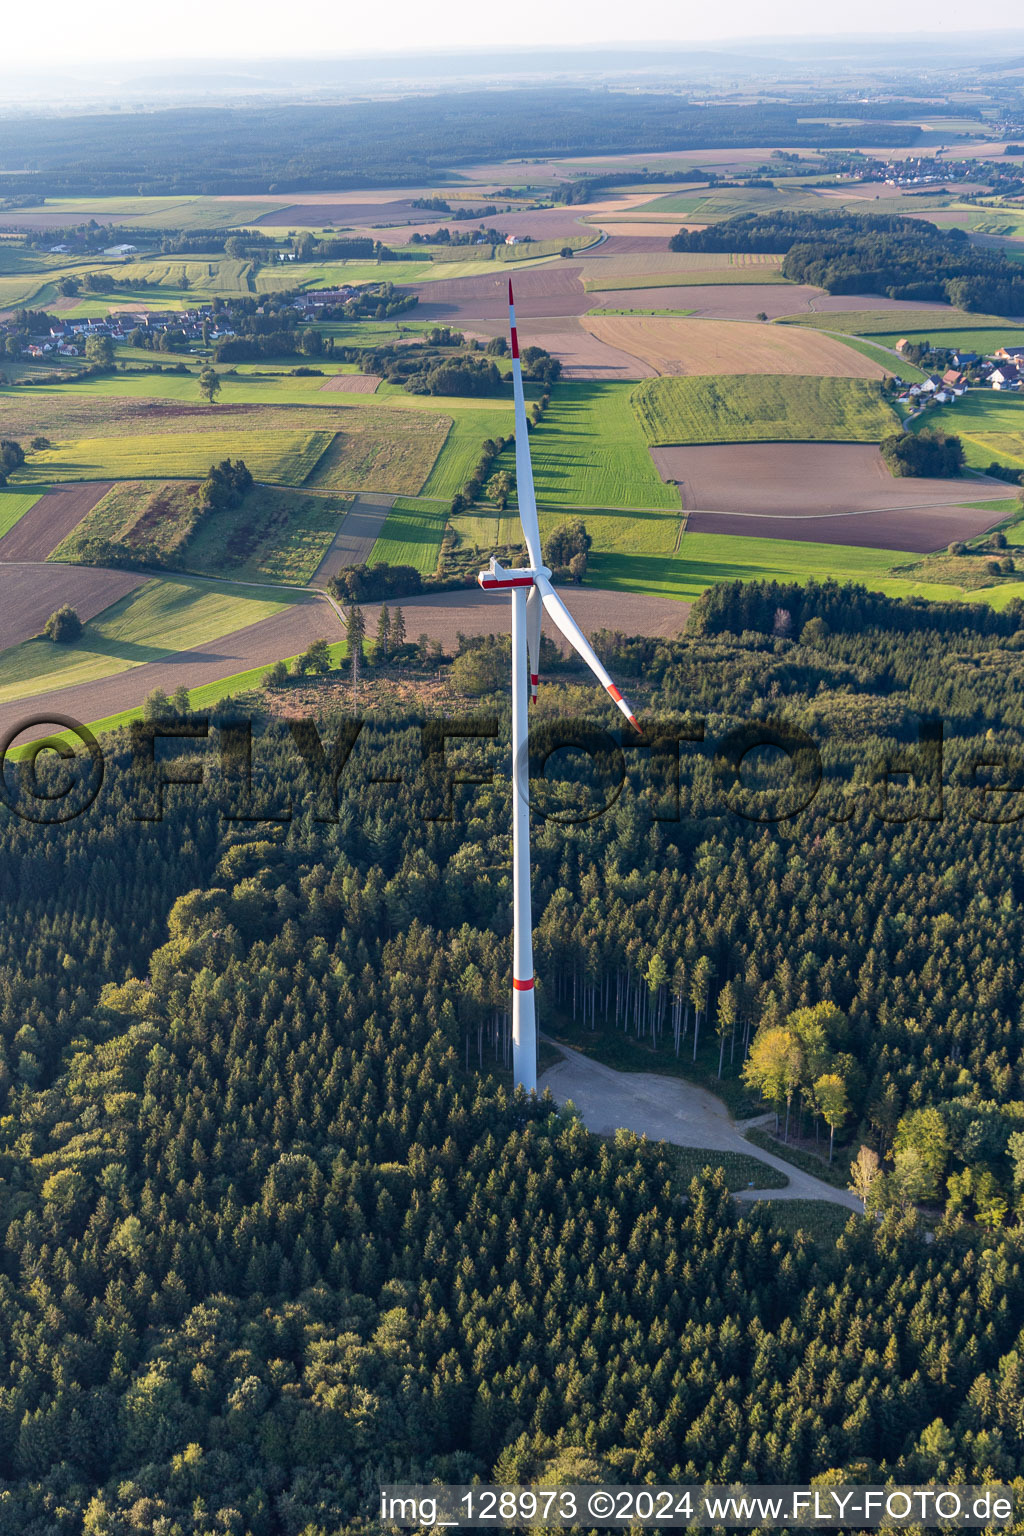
(524, 465)
(578, 640)
(534, 614)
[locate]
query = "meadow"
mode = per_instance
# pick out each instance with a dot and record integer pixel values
(274, 535)
(589, 451)
(990, 426)
(166, 615)
(884, 323)
(393, 451)
(753, 408)
(704, 559)
(412, 534)
(282, 457)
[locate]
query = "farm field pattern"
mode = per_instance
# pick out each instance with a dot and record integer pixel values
(627, 440)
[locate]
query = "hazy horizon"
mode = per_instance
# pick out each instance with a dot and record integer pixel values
(113, 33)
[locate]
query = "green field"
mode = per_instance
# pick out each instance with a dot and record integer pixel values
(755, 408)
(984, 341)
(284, 458)
(156, 212)
(14, 505)
(589, 451)
(166, 615)
(471, 424)
(704, 559)
(412, 534)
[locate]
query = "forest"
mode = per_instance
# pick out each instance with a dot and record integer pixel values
(274, 1228)
(903, 258)
(406, 141)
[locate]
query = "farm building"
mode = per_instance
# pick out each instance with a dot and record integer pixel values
(121, 250)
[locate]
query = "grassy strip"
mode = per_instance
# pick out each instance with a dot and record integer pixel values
(14, 505)
(906, 370)
(837, 1175)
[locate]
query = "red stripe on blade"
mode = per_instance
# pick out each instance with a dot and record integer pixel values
(510, 298)
(616, 695)
(522, 986)
(515, 343)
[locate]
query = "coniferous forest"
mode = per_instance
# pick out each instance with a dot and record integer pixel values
(274, 1227)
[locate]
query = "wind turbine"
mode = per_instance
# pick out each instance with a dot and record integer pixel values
(531, 592)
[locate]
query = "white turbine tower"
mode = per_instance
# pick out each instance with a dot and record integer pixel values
(531, 592)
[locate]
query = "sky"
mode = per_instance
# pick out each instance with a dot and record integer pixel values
(105, 31)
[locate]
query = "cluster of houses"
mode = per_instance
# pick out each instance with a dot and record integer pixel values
(1004, 370)
(67, 338)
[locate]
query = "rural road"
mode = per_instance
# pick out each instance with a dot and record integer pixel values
(671, 1109)
(359, 532)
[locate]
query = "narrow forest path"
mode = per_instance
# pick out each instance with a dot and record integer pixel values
(671, 1109)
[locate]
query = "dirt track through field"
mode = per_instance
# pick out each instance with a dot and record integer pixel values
(359, 532)
(53, 517)
(282, 634)
(29, 594)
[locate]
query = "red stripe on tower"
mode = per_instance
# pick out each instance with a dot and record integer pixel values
(522, 986)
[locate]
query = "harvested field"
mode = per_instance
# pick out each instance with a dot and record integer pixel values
(582, 355)
(712, 301)
(914, 530)
(540, 291)
(260, 644)
(30, 593)
(830, 493)
(352, 383)
(56, 514)
(359, 531)
(479, 613)
(729, 347)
